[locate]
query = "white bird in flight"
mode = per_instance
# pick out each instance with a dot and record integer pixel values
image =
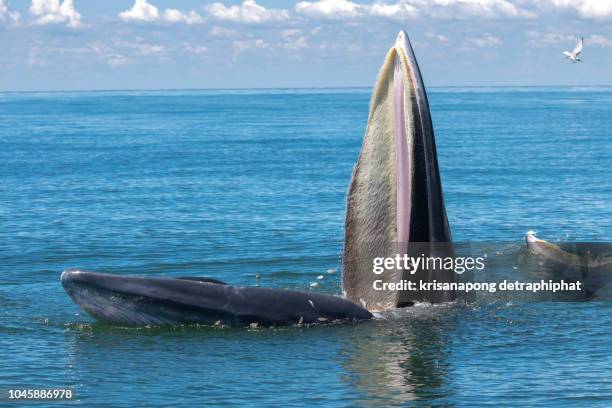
(573, 56)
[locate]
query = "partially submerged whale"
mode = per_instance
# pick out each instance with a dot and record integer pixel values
(131, 300)
(587, 262)
(394, 206)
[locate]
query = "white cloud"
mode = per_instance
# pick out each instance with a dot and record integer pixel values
(398, 11)
(194, 49)
(595, 8)
(293, 40)
(566, 41)
(584, 8)
(407, 9)
(473, 8)
(115, 60)
(138, 47)
(120, 52)
(332, 9)
(245, 45)
(45, 54)
(486, 41)
(289, 33)
(108, 55)
(140, 11)
(151, 49)
(52, 12)
(290, 40)
(248, 12)
(8, 16)
(441, 38)
(177, 16)
(296, 43)
(224, 32)
(598, 40)
(539, 39)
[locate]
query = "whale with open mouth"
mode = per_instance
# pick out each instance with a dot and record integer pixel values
(395, 203)
(394, 206)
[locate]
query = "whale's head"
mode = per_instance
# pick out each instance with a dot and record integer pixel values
(530, 237)
(395, 202)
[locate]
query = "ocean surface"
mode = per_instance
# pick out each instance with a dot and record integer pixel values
(248, 186)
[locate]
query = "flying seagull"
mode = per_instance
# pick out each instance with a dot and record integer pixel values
(573, 56)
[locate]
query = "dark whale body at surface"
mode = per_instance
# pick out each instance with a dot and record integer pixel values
(136, 300)
(394, 206)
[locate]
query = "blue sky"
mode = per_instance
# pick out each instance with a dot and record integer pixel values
(160, 44)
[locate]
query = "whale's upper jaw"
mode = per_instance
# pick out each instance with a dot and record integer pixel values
(395, 196)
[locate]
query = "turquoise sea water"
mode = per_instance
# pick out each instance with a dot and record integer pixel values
(241, 184)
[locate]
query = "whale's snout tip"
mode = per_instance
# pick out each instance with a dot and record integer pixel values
(402, 42)
(402, 37)
(530, 237)
(68, 276)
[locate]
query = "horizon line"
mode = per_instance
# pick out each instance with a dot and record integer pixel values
(290, 88)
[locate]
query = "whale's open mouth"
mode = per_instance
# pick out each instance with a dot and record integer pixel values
(395, 203)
